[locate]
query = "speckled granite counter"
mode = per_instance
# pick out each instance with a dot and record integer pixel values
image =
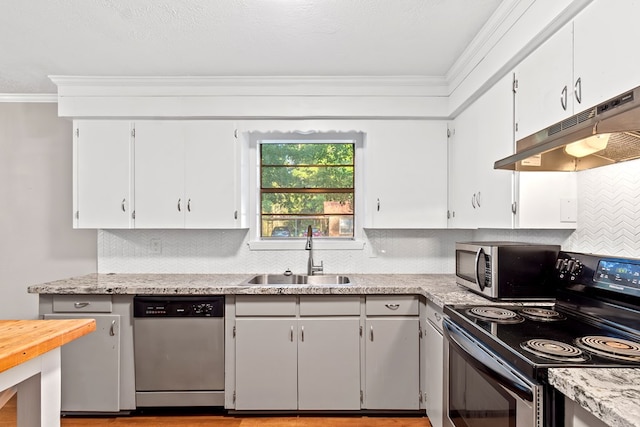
(439, 288)
(611, 394)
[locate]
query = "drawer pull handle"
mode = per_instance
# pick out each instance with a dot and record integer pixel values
(437, 316)
(112, 330)
(80, 304)
(291, 334)
(392, 306)
(302, 333)
(371, 333)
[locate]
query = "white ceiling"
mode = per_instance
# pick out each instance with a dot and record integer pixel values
(232, 38)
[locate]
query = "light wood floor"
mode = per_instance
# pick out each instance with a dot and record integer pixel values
(8, 419)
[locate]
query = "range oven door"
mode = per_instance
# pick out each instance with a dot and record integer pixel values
(481, 391)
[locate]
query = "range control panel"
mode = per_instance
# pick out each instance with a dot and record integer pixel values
(181, 306)
(620, 275)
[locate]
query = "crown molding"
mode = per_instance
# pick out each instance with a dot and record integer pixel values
(28, 97)
(417, 86)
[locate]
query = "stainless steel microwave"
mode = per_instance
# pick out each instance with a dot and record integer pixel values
(507, 270)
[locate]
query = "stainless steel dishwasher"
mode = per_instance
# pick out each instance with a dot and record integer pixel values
(179, 350)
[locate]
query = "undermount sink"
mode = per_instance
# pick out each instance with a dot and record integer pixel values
(298, 279)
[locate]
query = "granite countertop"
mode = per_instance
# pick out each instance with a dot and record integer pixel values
(439, 288)
(609, 394)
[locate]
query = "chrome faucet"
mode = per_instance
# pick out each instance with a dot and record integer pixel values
(311, 267)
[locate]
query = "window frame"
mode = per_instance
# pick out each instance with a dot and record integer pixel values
(305, 190)
(256, 242)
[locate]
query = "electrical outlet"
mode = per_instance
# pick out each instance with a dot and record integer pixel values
(155, 246)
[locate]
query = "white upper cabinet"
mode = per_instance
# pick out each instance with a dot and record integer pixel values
(102, 174)
(186, 174)
(606, 35)
(405, 174)
(588, 61)
(544, 93)
(480, 196)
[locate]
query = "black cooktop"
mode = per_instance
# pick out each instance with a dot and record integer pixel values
(524, 334)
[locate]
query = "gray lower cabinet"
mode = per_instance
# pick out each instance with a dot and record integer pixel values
(392, 353)
(329, 363)
(98, 368)
(266, 364)
(434, 367)
(91, 366)
(292, 355)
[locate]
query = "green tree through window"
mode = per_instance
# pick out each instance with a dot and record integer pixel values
(307, 183)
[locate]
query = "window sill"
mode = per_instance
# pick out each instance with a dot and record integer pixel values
(298, 245)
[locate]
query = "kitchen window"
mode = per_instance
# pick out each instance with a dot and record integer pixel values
(306, 182)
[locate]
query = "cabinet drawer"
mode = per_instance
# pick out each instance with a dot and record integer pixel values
(329, 305)
(434, 315)
(392, 305)
(82, 303)
(265, 305)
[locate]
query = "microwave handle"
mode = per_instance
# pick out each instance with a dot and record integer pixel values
(478, 281)
(485, 362)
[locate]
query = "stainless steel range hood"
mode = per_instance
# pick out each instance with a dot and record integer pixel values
(605, 134)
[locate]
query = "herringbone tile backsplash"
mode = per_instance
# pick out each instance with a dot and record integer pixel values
(609, 211)
(608, 223)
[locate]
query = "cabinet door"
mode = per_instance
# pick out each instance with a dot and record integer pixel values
(494, 133)
(91, 366)
(603, 30)
(545, 80)
(329, 364)
(159, 174)
(266, 363)
(392, 367)
(434, 348)
(211, 169)
(463, 173)
(102, 181)
(406, 172)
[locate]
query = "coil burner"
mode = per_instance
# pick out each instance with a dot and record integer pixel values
(614, 348)
(554, 350)
(541, 314)
(495, 314)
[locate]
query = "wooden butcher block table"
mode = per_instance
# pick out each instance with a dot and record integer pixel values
(30, 365)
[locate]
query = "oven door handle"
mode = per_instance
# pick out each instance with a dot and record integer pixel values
(481, 359)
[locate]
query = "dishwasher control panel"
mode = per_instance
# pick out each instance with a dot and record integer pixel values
(178, 306)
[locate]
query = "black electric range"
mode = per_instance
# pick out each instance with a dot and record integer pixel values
(593, 322)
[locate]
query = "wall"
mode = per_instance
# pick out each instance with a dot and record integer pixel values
(37, 243)
(227, 251)
(608, 215)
